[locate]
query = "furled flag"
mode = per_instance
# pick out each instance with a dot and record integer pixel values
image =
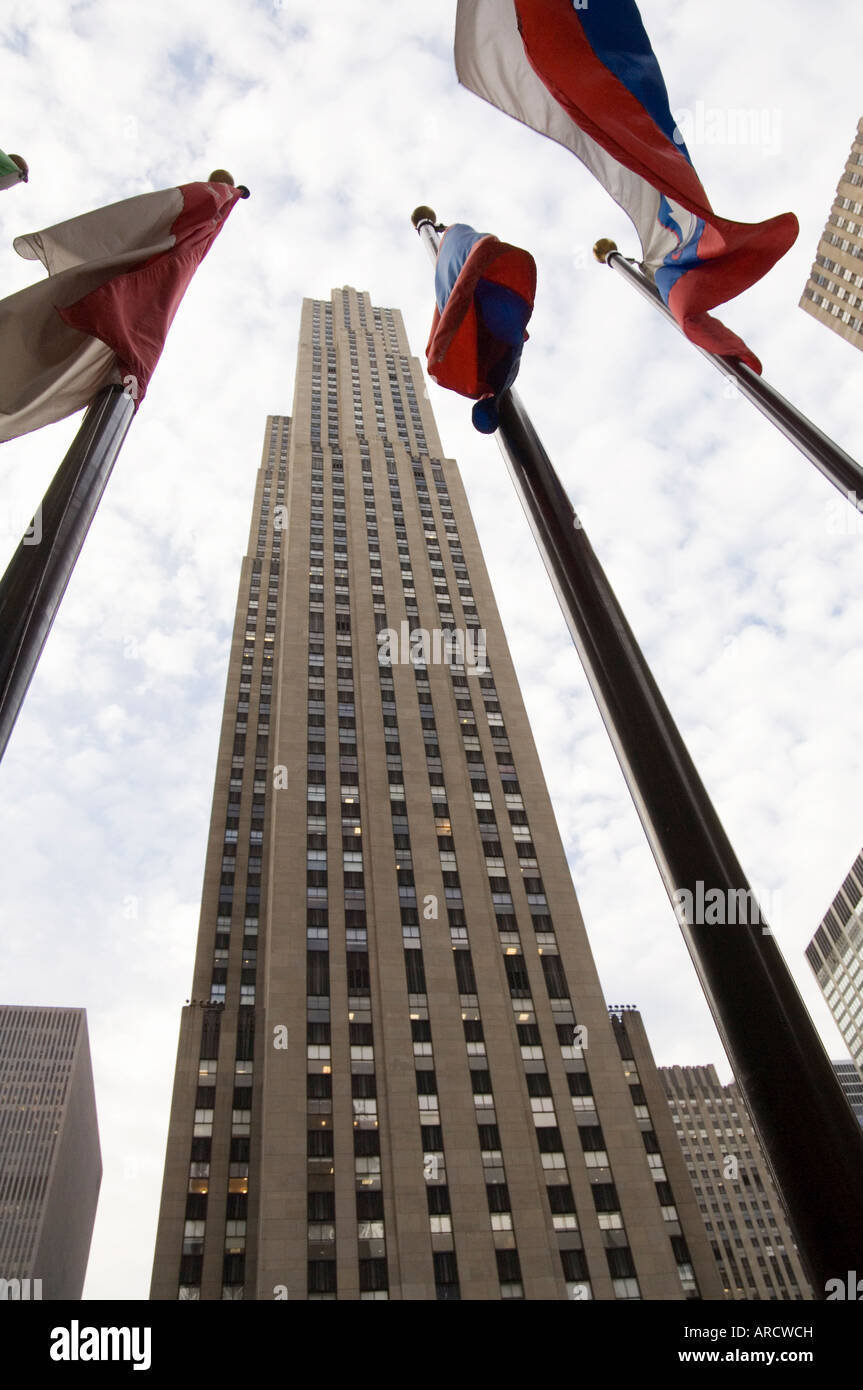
(484, 292)
(586, 76)
(115, 280)
(13, 170)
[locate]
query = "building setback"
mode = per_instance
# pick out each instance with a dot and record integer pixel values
(835, 954)
(50, 1161)
(397, 1077)
(834, 291)
(742, 1212)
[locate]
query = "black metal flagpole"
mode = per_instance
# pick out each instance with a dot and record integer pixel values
(838, 467)
(810, 1135)
(36, 579)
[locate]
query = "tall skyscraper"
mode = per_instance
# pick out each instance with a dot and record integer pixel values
(397, 1077)
(835, 954)
(741, 1208)
(834, 291)
(50, 1161)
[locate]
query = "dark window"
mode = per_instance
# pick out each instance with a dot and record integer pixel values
(367, 1142)
(363, 1085)
(508, 1266)
(322, 1276)
(245, 1035)
(415, 972)
(373, 1275)
(190, 1269)
(560, 1199)
(591, 1138)
(322, 1206)
(320, 1143)
(445, 1274)
(358, 971)
(497, 1194)
(516, 974)
(605, 1196)
(574, 1265)
(554, 977)
(538, 1084)
(464, 972)
(370, 1206)
(620, 1263)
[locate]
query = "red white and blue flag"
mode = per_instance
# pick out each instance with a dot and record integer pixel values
(587, 77)
(484, 293)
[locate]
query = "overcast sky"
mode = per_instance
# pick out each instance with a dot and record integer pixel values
(737, 564)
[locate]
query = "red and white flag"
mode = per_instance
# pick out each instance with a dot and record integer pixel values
(115, 280)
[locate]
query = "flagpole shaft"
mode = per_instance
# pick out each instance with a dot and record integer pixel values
(838, 467)
(34, 583)
(809, 1133)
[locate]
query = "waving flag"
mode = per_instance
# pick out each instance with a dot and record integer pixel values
(484, 292)
(587, 78)
(115, 280)
(13, 170)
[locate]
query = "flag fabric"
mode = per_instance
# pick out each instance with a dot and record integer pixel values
(115, 280)
(10, 172)
(484, 293)
(586, 76)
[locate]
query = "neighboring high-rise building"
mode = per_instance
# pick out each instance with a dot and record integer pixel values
(50, 1162)
(742, 1212)
(397, 1077)
(849, 1079)
(834, 290)
(836, 956)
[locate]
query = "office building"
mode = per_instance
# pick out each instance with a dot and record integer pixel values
(743, 1215)
(50, 1161)
(849, 1079)
(834, 291)
(835, 954)
(397, 1078)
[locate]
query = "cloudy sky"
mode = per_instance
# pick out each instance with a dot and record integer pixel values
(738, 566)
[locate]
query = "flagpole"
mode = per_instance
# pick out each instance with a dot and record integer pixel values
(809, 1133)
(36, 578)
(838, 467)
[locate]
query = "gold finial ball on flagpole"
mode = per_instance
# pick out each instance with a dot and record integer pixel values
(603, 249)
(221, 176)
(423, 214)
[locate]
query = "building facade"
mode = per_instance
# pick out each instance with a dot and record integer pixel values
(834, 291)
(397, 1077)
(835, 954)
(50, 1161)
(743, 1215)
(849, 1079)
